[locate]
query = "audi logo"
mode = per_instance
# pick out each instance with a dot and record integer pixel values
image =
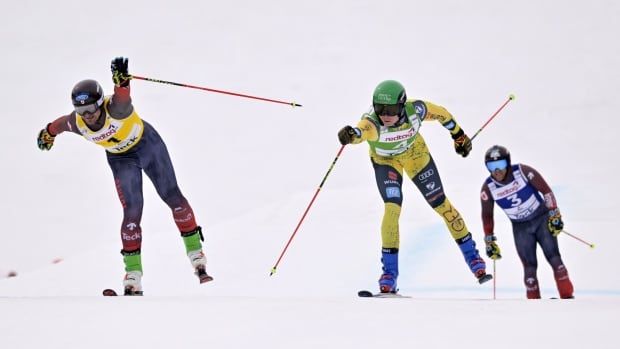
(426, 174)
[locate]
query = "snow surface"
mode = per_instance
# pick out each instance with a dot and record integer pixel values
(250, 168)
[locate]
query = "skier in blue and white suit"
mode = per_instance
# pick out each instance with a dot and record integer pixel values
(535, 218)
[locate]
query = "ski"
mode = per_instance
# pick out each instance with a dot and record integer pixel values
(108, 292)
(368, 294)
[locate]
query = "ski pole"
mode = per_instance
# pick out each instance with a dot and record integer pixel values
(214, 90)
(273, 270)
(494, 279)
(578, 239)
(510, 98)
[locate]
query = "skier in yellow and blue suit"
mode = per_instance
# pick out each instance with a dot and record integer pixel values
(391, 128)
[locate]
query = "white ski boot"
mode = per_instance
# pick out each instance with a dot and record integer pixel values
(199, 262)
(133, 283)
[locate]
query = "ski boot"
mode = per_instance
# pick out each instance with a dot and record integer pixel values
(132, 283)
(472, 258)
(193, 247)
(387, 281)
(562, 281)
(482, 276)
(199, 262)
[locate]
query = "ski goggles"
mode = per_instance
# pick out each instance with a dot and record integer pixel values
(86, 109)
(387, 109)
(492, 166)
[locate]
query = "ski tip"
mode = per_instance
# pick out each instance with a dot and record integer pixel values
(365, 294)
(108, 292)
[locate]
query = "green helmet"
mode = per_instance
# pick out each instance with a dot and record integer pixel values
(389, 99)
(389, 92)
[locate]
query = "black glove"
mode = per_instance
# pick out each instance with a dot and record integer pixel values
(120, 75)
(462, 143)
(346, 135)
(45, 140)
(493, 250)
(555, 223)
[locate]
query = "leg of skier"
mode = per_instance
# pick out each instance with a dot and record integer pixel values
(127, 173)
(525, 242)
(389, 181)
(551, 250)
(161, 172)
(425, 176)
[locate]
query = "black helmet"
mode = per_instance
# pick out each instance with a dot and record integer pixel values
(87, 92)
(497, 152)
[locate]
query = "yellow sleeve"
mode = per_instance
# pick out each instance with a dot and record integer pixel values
(441, 114)
(368, 130)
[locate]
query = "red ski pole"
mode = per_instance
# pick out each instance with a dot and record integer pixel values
(510, 98)
(273, 270)
(214, 90)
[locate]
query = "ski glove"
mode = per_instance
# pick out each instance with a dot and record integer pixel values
(462, 143)
(493, 250)
(45, 140)
(347, 134)
(555, 223)
(120, 75)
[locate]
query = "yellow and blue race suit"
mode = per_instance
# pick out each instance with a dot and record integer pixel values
(401, 150)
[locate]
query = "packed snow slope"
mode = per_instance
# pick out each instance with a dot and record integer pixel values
(249, 169)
